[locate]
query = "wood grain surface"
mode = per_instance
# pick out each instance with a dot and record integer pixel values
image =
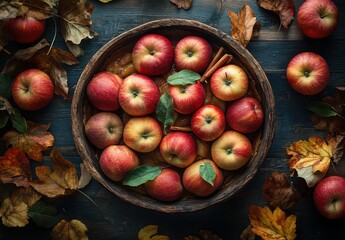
(273, 48)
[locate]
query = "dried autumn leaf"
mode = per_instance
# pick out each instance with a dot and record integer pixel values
(39, 9)
(15, 168)
(36, 140)
(63, 181)
(279, 191)
(284, 8)
(185, 4)
(310, 158)
(272, 225)
(76, 23)
(49, 62)
(242, 24)
(105, 1)
(85, 177)
(71, 230)
(26, 195)
(333, 124)
(247, 234)
(338, 142)
(14, 215)
(149, 232)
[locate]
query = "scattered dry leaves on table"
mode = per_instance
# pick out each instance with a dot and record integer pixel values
(311, 158)
(284, 8)
(69, 230)
(279, 191)
(244, 25)
(272, 225)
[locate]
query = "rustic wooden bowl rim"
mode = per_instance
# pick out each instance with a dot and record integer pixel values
(267, 132)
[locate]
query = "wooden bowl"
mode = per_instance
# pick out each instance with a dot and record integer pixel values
(175, 29)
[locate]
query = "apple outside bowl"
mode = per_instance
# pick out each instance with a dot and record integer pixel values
(174, 29)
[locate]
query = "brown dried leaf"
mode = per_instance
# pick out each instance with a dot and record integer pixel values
(26, 195)
(335, 124)
(39, 9)
(311, 158)
(185, 4)
(272, 225)
(36, 140)
(71, 230)
(76, 23)
(15, 168)
(14, 214)
(279, 191)
(49, 63)
(63, 181)
(284, 8)
(247, 234)
(243, 24)
(338, 142)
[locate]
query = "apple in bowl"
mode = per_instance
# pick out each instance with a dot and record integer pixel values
(193, 53)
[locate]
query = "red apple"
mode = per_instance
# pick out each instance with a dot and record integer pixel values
(245, 115)
(25, 29)
(102, 91)
(166, 186)
(104, 129)
(329, 197)
(153, 54)
(195, 184)
(138, 95)
(317, 18)
(193, 53)
(116, 160)
(32, 90)
(229, 83)
(231, 151)
(208, 122)
(178, 149)
(187, 98)
(308, 73)
(142, 134)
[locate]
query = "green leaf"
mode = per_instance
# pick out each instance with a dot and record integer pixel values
(5, 85)
(322, 109)
(183, 77)
(207, 173)
(44, 215)
(3, 118)
(19, 122)
(165, 110)
(141, 175)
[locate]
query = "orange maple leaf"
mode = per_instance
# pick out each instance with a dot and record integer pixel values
(36, 140)
(310, 158)
(15, 167)
(272, 225)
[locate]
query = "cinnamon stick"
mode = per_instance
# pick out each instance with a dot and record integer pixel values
(182, 129)
(213, 62)
(224, 59)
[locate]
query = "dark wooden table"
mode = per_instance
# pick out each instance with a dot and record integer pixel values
(273, 48)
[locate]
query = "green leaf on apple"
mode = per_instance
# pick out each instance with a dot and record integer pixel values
(322, 109)
(19, 122)
(165, 110)
(207, 173)
(44, 215)
(5, 85)
(141, 175)
(183, 77)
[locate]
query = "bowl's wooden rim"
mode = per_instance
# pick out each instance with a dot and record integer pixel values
(86, 155)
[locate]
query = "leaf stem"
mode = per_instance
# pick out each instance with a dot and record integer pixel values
(55, 33)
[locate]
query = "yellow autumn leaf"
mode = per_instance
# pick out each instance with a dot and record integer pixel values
(63, 181)
(310, 158)
(72, 230)
(149, 232)
(272, 225)
(14, 214)
(105, 1)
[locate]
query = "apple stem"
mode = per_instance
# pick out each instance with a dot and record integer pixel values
(182, 129)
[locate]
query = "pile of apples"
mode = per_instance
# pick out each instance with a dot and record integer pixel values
(125, 126)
